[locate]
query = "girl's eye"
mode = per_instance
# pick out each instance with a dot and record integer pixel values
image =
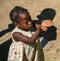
(26, 21)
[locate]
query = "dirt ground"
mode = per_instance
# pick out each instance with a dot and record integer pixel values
(35, 7)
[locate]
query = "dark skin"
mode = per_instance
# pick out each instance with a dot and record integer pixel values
(25, 24)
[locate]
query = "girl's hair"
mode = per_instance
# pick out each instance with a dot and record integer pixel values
(14, 14)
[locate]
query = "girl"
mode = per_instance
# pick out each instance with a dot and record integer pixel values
(25, 45)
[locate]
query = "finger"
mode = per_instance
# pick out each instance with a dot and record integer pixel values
(44, 28)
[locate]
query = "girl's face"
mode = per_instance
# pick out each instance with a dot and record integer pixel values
(25, 21)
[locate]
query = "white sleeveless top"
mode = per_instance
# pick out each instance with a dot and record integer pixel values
(20, 51)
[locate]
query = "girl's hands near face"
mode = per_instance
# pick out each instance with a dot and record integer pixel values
(47, 23)
(44, 28)
(38, 27)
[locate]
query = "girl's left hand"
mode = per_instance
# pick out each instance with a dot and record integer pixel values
(43, 28)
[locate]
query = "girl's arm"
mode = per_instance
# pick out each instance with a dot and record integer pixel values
(19, 37)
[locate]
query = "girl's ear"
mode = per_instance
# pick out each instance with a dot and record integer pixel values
(16, 24)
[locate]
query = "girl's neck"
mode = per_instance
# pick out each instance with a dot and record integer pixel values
(23, 29)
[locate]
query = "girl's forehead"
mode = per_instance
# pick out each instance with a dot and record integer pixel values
(24, 15)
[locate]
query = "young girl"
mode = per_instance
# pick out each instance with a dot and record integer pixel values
(25, 45)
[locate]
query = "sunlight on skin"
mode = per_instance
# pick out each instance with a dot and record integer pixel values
(45, 24)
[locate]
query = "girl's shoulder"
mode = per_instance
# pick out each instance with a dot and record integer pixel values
(16, 29)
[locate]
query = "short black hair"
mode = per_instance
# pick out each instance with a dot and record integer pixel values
(14, 14)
